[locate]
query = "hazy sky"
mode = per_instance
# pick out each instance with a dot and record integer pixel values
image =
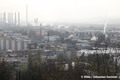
(62, 10)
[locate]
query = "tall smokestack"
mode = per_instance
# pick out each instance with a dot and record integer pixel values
(26, 14)
(18, 18)
(15, 19)
(0, 18)
(10, 18)
(4, 17)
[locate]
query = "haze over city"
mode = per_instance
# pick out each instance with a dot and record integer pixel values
(59, 39)
(75, 11)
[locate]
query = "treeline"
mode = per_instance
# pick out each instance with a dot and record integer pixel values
(102, 64)
(91, 65)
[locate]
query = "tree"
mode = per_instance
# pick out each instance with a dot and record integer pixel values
(6, 71)
(37, 59)
(29, 60)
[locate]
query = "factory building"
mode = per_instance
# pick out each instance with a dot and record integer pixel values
(7, 43)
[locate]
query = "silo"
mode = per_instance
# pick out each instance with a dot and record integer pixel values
(13, 45)
(2, 44)
(19, 45)
(7, 44)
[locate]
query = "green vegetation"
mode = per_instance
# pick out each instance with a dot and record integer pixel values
(23, 66)
(93, 64)
(7, 71)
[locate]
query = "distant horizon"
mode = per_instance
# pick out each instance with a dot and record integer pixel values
(82, 21)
